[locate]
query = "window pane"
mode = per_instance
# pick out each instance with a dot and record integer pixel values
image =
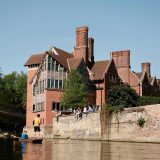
(49, 66)
(52, 83)
(48, 83)
(33, 108)
(53, 106)
(34, 89)
(58, 106)
(52, 65)
(57, 65)
(60, 84)
(56, 83)
(49, 58)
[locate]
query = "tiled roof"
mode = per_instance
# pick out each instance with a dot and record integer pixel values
(151, 79)
(61, 56)
(99, 68)
(74, 62)
(35, 59)
(139, 75)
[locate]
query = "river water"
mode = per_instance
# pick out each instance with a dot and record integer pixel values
(78, 150)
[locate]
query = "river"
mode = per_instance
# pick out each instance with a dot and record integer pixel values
(78, 150)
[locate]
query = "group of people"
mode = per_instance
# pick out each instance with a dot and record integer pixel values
(79, 112)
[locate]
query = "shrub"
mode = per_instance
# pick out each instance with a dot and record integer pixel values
(146, 100)
(113, 109)
(122, 96)
(141, 121)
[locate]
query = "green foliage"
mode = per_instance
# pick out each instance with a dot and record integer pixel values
(141, 121)
(113, 109)
(13, 92)
(74, 91)
(146, 100)
(122, 96)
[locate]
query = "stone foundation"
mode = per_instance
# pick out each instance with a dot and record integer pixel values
(118, 127)
(68, 127)
(124, 126)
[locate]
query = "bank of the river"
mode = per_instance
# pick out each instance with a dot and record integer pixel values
(7, 135)
(123, 126)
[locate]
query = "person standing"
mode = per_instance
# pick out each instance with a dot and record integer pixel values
(58, 114)
(37, 122)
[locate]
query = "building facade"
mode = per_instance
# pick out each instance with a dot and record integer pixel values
(47, 72)
(142, 82)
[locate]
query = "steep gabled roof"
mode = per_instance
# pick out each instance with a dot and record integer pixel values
(60, 56)
(35, 59)
(153, 81)
(74, 63)
(139, 74)
(99, 68)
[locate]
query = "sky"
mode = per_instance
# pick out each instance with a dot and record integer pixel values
(33, 26)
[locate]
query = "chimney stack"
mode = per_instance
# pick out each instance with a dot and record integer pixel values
(146, 68)
(121, 58)
(81, 36)
(81, 50)
(91, 49)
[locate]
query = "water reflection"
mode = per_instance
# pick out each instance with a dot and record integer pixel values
(10, 150)
(91, 150)
(129, 151)
(78, 150)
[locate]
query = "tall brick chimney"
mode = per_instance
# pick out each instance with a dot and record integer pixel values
(91, 51)
(146, 67)
(81, 50)
(121, 58)
(81, 36)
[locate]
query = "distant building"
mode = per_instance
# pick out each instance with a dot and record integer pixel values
(47, 72)
(143, 83)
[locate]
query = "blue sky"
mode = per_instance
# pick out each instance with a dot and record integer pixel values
(33, 26)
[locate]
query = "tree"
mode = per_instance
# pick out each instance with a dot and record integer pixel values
(74, 92)
(122, 96)
(14, 92)
(1, 81)
(1, 89)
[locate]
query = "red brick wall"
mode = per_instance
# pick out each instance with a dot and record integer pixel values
(134, 83)
(51, 96)
(104, 85)
(29, 114)
(91, 98)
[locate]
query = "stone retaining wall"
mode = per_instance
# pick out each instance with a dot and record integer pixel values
(118, 127)
(68, 127)
(125, 127)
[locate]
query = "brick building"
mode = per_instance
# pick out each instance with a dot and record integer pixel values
(142, 82)
(47, 72)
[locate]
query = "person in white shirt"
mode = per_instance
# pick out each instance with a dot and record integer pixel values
(85, 111)
(90, 109)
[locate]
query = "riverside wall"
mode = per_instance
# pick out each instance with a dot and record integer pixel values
(116, 127)
(69, 127)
